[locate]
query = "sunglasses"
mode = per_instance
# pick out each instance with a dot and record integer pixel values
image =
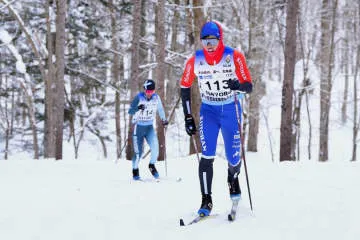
(210, 41)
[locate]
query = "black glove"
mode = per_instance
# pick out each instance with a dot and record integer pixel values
(164, 122)
(234, 84)
(190, 126)
(141, 107)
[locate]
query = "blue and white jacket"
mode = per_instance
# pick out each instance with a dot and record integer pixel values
(147, 116)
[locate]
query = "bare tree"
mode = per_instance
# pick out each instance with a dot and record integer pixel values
(26, 82)
(199, 20)
(134, 67)
(257, 57)
(4, 115)
(172, 76)
(160, 69)
(60, 67)
(288, 84)
(356, 124)
(306, 45)
(116, 77)
(50, 111)
(326, 66)
(345, 61)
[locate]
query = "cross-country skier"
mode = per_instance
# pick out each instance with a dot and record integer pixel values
(143, 109)
(221, 71)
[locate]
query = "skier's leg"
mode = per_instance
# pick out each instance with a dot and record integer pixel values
(205, 176)
(152, 140)
(208, 130)
(138, 139)
(231, 134)
(233, 181)
(232, 142)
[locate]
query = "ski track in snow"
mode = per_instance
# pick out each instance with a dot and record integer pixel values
(78, 199)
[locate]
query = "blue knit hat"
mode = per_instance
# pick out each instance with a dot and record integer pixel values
(210, 29)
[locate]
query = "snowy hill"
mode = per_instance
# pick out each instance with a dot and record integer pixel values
(93, 200)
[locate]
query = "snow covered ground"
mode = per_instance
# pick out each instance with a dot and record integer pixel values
(97, 199)
(93, 198)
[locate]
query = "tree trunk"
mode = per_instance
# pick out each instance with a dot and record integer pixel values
(288, 84)
(356, 117)
(116, 78)
(6, 124)
(199, 20)
(134, 78)
(49, 123)
(345, 66)
(160, 70)
(172, 75)
(60, 66)
(257, 57)
(326, 62)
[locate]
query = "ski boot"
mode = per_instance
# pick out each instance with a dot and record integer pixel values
(135, 173)
(153, 170)
(206, 205)
(234, 188)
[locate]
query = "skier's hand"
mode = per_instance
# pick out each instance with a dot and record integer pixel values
(234, 84)
(141, 107)
(164, 122)
(190, 126)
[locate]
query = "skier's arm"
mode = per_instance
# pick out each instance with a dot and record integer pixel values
(241, 69)
(185, 84)
(186, 100)
(134, 105)
(243, 82)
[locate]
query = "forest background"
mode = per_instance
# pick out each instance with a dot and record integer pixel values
(69, 69)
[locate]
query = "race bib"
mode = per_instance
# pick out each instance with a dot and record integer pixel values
(213, 79)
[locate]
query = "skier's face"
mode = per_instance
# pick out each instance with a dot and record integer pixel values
(149, 93)
(210, 43)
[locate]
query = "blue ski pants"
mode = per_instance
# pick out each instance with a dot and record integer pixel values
(140, 133)
(214, 118)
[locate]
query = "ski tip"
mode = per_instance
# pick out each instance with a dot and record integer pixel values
(182, 222)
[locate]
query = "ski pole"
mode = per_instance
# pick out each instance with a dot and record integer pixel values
(242, 147)
(195, 146)
(165, 151)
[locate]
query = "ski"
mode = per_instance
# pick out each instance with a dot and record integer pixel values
(147, 180)
(199, 218)
(158, 180)
(232, 214)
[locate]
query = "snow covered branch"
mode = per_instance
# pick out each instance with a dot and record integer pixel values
(27, 33)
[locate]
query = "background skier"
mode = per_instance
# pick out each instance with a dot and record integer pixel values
(143, 109)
